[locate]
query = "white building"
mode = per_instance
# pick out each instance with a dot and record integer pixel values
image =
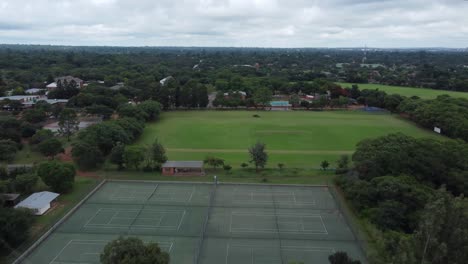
(38, 202)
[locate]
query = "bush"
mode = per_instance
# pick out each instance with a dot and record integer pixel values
(244, 165)
(58, 176)
(41, 135)
(25, 183)
(227, 168)
(50, 147)
(8, 149)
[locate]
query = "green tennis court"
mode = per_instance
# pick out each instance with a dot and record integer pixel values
(204, 223)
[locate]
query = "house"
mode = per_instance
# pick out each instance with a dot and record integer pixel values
(38, 202)
(183, 168)
(25, 100)
(117, 86)
(67, 79)
(10, 199)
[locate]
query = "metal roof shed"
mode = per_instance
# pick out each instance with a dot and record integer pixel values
(38, 202)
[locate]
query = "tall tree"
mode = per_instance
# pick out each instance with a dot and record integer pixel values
(133, 251)
(262, 96)
(58, 176)
(50, 147)
(68, 122)
(258, 155)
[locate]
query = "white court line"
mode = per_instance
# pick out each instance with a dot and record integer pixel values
(191, 195)
(60, 252)
(181, 219)
(321, 219)
(97, 212)
(112, 218)
(274, 231)
(227, 252)
(272, 214)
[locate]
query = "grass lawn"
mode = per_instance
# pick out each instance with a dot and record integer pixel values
(297, 139)
(407, 91)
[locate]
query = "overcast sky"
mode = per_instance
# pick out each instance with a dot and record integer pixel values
(238, 23)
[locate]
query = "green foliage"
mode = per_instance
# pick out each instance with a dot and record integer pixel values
(105, 135)
(8, 150)
(258, 155)
(324, 164)
(58, 176)
(431, 161)
(15, 226)
(40, 136)
(27, 130)
(244, 165)
(213, 161)
(341, 257)
(117, 155)
(342, 164)
(34, 116)
(10, 128)
(157, 152)
(151, 108)
(50, 147)
(227, 168)
(68, 122)
(262, 96)
(25, 183)
(280, 166)
(133, 251)
(87, 155)
(128, 110)
(134, 156)
(441, 235)
(102, 110)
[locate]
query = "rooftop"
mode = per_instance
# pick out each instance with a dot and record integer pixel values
(183, 164)
(38, 200)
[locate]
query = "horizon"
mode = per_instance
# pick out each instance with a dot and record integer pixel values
(237, 23)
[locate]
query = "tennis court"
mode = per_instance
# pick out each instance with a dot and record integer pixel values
(204, 223)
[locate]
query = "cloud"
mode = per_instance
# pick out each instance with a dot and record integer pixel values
(265, 23)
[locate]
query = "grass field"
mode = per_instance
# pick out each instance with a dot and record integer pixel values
(407, 91)
(297, 139)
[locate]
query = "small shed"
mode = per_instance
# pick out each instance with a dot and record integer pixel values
(10, 199)
(19, 168)
(38, 202)
(183, 168)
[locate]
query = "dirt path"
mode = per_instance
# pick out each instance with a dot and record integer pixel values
(276, 151)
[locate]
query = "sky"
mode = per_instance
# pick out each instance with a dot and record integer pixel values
(236, 23)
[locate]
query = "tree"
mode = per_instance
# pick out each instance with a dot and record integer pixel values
(227, 168)
(341, 257)
(214, 162)
(342, 164)
(68, 122)
(295, 100)
(25, 183)
(117, 155)
(15, 226)
(158, 153)
(134, 156)
(324, 164)
(86, 155)
(441, 234)
(102, 110)
(34, 116)
(133, 251)
(258, 155)
(131, 111)
(50, 147)
(8, 149)
(262, 96)
(244, 165)
(27, 130)
(40, 136)
(58, 176)
(280, 166)
(151, 108)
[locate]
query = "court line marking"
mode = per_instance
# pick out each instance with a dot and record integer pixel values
(251, 249)
(116, 211)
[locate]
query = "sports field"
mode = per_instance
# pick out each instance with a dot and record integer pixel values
(204, 223)
(298, 139)
(408, 91)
